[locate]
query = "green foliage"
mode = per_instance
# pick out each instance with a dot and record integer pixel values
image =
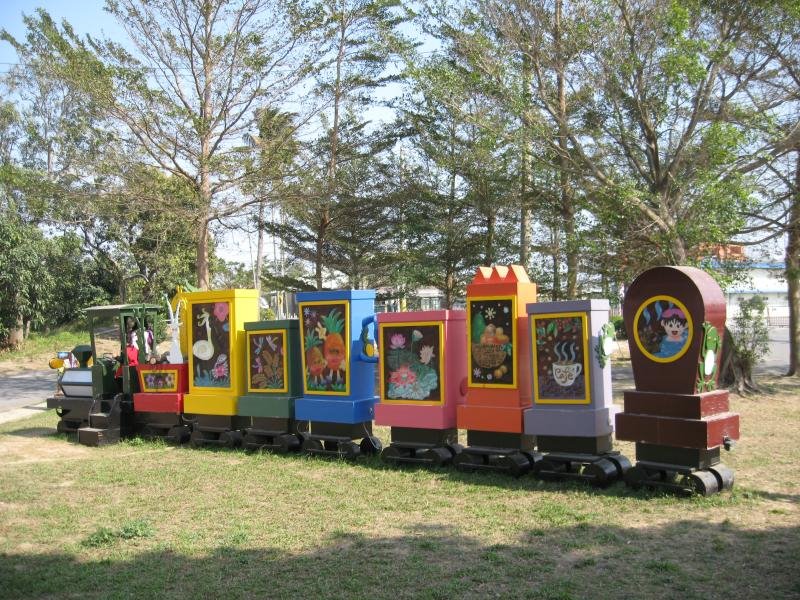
(619, 328)
(750, 332)
(105, 536)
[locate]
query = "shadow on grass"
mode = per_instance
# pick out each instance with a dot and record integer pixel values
(33, 432)
(685, 559)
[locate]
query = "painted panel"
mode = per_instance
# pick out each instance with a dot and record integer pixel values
(491, 327)
(160, 381)
(266, 357)
(412, 363)
(561, 358)
(212, 344)
(324, 326)
(663, 328)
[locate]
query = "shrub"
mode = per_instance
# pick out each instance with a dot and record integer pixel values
(619, 327)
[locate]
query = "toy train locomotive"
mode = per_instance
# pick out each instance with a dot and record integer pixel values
(529, 382)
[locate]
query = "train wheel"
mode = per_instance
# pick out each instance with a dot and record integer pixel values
(197, 439)
(548, 469)
(621, 463)
(230, 439)
(455, 448)
(601, 472)
(330, 445)
(438, 456)
(724, 476)
(636, 477)
(467, 462)
(178, 434)
(350, 450)
(701, 482)
(371, 445)
(312, 446)
(287, 443)
(516, 464)
(392, 454)
(61, 427)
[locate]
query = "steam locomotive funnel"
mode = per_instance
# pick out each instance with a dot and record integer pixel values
(82, 354)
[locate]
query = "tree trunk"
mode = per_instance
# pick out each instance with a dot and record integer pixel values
(735, 373)
(259, 247)
(201, 262)
(793, 274)
(524, 171)
(16, 335)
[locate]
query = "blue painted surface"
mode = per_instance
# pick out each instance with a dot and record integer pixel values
(358, 405)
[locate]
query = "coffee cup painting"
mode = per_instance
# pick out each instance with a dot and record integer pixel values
(663, 328)
(560, 355)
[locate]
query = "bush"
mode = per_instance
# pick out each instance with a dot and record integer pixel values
(619, 327)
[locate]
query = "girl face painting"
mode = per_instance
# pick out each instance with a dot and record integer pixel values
(663, 329)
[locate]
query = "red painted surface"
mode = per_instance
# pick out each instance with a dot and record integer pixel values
(491, 418)
(163, 403)
(677, 405)
(684, 433)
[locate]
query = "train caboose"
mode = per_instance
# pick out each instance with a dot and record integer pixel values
(675, 318)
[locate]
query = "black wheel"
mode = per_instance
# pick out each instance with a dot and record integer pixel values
(392, 454)
(548, 469)
(455, 448)
(178, 434)
(230, 439)
(371, 445)
(312, 446)
(197, 439)
(330, 445)
(724, 476)
(516, 464)
(60, 427)
(287, 443)
(601, 472)
(467, 462)
(148, 432)
(701, 482)
(621, 463)
(636, 477)
(438, 456)
(350, 450)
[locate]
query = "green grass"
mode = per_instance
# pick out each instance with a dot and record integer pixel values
(40, 345)
(142, 519)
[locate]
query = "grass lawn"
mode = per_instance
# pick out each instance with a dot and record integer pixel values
(142, 519)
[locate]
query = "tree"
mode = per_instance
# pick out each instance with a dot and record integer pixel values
(186, 95)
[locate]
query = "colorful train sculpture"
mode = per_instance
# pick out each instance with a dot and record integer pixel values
(530, 382)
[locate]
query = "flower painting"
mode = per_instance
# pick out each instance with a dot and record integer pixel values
(325, 346)
(211, 342)
(266, 355)
(411, 363)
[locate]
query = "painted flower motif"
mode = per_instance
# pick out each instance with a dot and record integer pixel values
(425, 354)
(403, 376)
(220, 368)
(221, 311)
(490, 313)
(476, 372)
(398, 340)
(321, 331)
(416, 335)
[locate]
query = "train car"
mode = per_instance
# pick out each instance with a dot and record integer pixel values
(216, 339)
(572, 414)
(74, 396)
(274, 381)
(498, 377)
(422, 371)
(679, 419)
(338, 376)
(120, 342)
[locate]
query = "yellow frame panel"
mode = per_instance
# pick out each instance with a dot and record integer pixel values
(347, 344)
(282, 334)
(514, 369)
(440, 359)
(586, 365)
(689, 322)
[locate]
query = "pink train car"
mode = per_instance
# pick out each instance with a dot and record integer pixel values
(422, 372)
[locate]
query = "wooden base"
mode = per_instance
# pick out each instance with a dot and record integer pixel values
(577, 445)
